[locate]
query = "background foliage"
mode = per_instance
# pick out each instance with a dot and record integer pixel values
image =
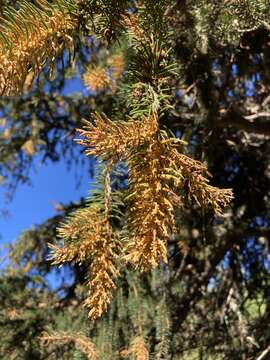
(203, 69)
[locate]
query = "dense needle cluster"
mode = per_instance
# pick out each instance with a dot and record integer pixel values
(30, 37)
(137, 348)
(91, 242)
(97, 79)
(115, 140)
(80, 342)
(104, 78)
(161, 179)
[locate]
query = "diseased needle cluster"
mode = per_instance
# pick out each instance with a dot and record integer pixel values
(29, 38)
(161, 179)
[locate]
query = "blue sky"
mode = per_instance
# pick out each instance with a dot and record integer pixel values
(51, 184)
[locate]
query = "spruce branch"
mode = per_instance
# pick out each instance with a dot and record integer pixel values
(137, 348)
(161, 179)
(104, 78)
(151, 212)
(90, 241)
(151, 67)
(79, 341)
(115, 140)
(30, 37)
(97, 79)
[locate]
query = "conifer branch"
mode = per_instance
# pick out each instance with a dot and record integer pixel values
(161, 179)
(90, 241)
(97, 79)
(102, 270)
(151, 214)
(105, 78)
(115, 140)
(31, 37)
(196, 184)
(79, 341)
(137, 348)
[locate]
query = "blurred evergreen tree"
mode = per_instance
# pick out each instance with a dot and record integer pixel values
(173, 89)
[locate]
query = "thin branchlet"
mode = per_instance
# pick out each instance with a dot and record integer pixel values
(109, 139)
(79, 341)
(90, 241)
(137, 348)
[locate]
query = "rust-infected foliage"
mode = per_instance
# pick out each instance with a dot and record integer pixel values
(80, 342)
(97, 79)
(104, 78)
(115, 140)
(29, 38)
(161, 179)
(91, 242)
(137, 348)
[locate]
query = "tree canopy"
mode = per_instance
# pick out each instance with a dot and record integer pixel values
(168, 255)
